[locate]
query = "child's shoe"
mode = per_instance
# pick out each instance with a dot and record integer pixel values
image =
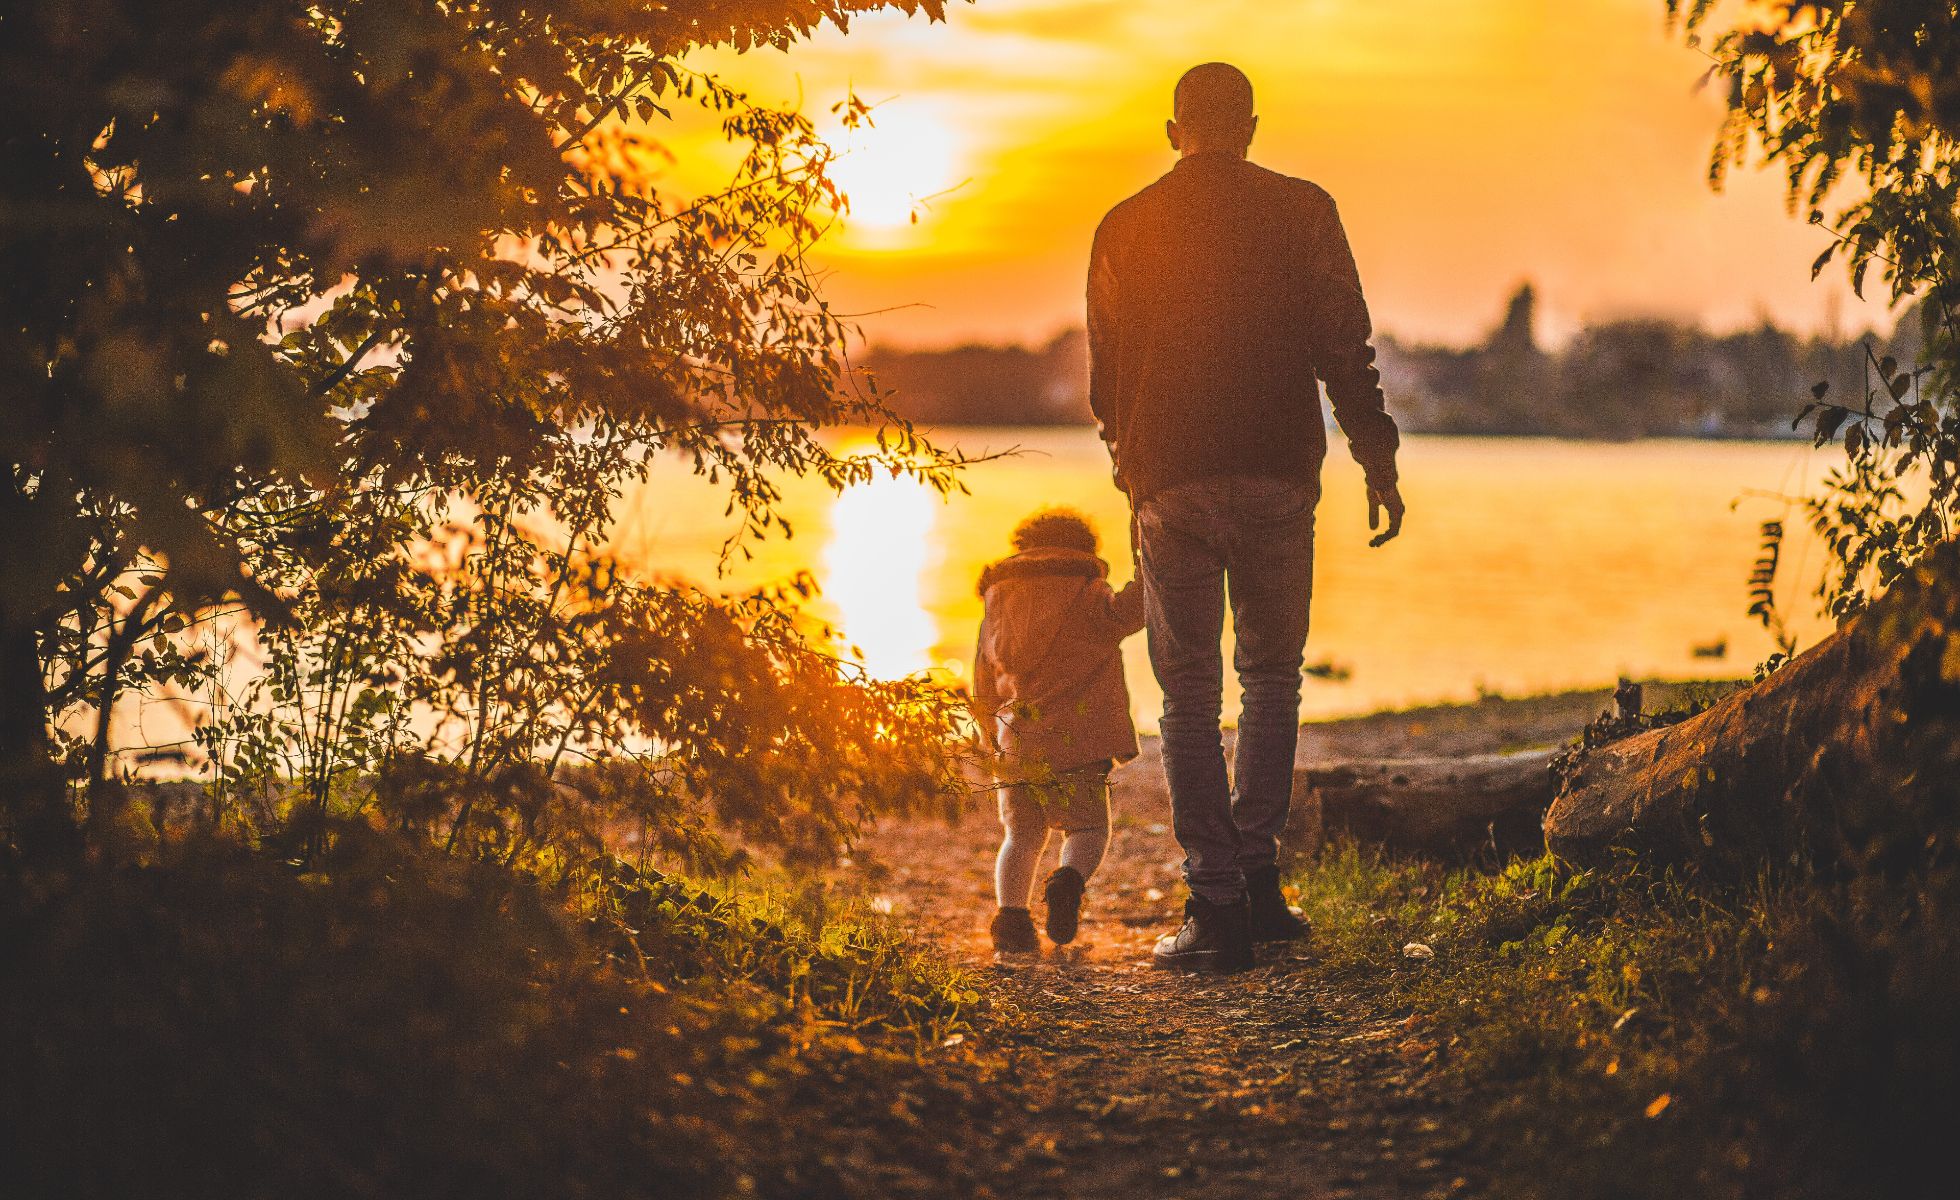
(1013, 931)
(1063, 896)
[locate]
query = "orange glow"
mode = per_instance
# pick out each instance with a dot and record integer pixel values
(1471, 146)
(1583, 532)
(881, 544)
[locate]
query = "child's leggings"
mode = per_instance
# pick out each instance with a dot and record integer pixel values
(1076, 802)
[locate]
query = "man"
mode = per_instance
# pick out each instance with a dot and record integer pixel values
(1220, 297)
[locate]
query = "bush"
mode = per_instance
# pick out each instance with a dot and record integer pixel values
(397, 1022)
(1635, 1032)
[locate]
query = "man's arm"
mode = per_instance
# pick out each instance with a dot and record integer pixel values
(1103, 330)
(1340, 331)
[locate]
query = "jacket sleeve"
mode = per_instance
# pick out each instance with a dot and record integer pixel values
(1339, 329)
(986, 694)
(1104, 329)
(1116, 615)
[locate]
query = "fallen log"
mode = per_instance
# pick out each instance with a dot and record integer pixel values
(1443, 806)
(1848, 754)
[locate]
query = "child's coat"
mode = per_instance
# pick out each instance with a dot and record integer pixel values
(1048, 686)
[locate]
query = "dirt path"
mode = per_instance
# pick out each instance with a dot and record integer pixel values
(1137, 1082)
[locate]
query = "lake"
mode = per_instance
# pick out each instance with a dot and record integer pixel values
(1524, 566)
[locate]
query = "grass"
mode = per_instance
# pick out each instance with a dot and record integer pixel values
(1634, 1032)
(826, 956)
(396, 1021)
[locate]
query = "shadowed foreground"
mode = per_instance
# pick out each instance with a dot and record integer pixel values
(1138, 1082)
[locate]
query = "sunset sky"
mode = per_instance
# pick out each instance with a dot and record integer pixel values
(1472, 144)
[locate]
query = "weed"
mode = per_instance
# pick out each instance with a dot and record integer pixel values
(1637, 1032)
(393, 1020)
(842, 964)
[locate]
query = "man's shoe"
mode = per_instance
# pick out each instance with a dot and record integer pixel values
(1063, 896)
(1215, 937)
(1273, 919)
(1013, 931)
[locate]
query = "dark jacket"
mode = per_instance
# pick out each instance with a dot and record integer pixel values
(1218, 296)
(1048, 686)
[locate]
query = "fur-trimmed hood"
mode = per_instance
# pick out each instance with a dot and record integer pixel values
(1044, 562)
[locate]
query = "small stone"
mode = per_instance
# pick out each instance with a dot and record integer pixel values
(1417, 950)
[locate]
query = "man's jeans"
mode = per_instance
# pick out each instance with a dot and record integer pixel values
(1254, 537)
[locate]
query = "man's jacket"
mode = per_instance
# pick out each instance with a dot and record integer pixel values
(1218, 296)
(1048, 686)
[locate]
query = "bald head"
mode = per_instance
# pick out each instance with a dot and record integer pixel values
(1212, 109)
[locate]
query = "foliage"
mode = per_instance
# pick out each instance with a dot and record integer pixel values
(1762, 598)
(851, 968)
(396, 1021)
(334, 335)
(1635, 1032)
(1867, 93)
(450, 670)
(1613, 725)
(344, 315)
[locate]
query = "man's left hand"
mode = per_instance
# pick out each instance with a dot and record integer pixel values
(1389, 498)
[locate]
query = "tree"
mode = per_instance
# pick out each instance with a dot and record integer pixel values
(1847, 754)
(286, 284)
(1866, 94)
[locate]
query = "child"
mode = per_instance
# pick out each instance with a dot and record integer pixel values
(1052, 705)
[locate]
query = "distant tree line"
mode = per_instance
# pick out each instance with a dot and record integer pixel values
(1628, 378)
(989, 385)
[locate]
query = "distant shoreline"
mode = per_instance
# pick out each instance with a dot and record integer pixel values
(1489, 725)
(1620, 379)
(1792, 437)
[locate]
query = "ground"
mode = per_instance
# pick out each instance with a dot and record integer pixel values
(1130, 1081)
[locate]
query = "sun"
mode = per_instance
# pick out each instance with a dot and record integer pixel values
(891, 167)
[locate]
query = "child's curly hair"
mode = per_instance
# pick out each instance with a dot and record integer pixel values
(1059, 528)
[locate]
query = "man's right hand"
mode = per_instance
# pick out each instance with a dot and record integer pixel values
(1389, 498)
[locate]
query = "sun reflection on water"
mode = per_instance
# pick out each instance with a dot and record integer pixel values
(874, 570)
